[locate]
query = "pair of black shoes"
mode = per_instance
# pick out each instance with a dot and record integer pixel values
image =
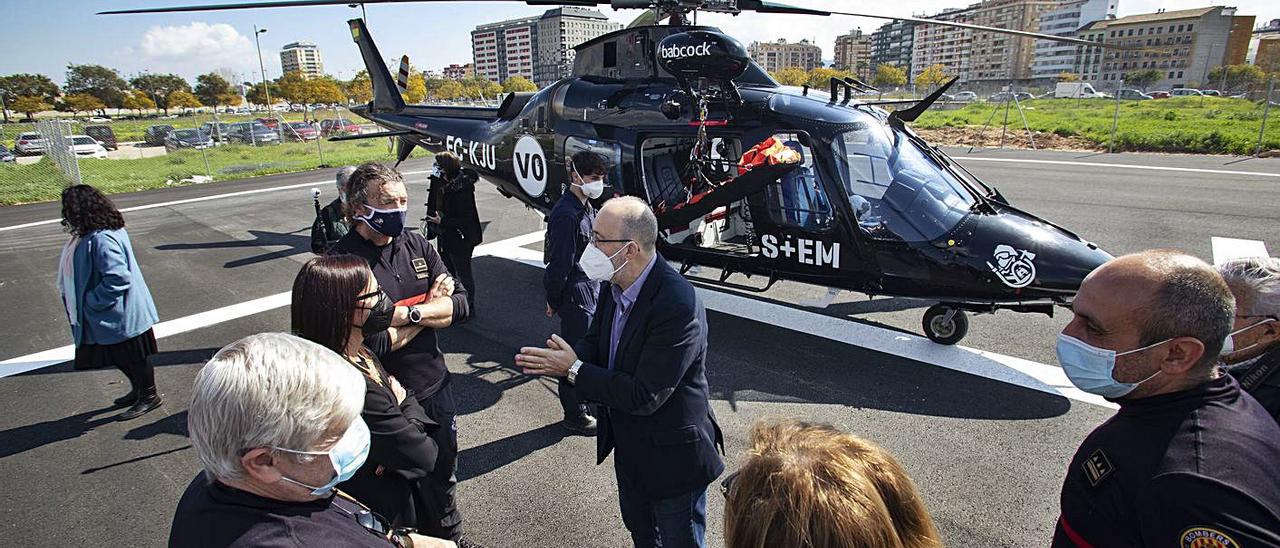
(138, 405)
(583, 425)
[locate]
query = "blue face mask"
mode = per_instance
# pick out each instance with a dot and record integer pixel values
(346, 456)
(1091, 368)
(388, 222)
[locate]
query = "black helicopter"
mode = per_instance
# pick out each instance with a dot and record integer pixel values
(746, 175)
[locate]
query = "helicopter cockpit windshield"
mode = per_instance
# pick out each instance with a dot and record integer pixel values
(897, 191)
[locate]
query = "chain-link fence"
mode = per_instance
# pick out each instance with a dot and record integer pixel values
(132, 153)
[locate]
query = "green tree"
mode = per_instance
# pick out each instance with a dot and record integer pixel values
(450, 90)
(861, 70)
(293, 87)
(137, 101)
(257, 93)
(791, 76)
(81, 102)
(16, 86)
(159, 86)
(1239, 77)
(1143, 78)
(360, 88)
(433, 85)
(213, 90)
(232, 99)
(183, 99)
(518, 83)
(820, 77)
(415, 89)
(1066, 76)
(889, 76)
(101, 82)
(29, 105)
(932, 77)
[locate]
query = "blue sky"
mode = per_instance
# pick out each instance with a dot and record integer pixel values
(45, 35)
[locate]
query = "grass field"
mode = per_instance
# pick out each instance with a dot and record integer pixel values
(1219, 126)
(133, 130)
(41, 181)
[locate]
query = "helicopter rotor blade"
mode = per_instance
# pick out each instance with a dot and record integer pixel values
(308, 3)
(1028, 34)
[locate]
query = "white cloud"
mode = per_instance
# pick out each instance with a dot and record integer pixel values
(199, 44)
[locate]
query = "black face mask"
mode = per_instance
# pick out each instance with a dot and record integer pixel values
(380, 315)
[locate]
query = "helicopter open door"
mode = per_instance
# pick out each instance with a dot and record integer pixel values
(673, 179)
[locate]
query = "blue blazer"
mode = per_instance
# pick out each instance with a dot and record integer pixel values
(112, 299)
(657, 414)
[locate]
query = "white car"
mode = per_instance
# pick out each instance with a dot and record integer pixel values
(28, 143)
(99, 120)
(86, 146)
(1186, 92)
(966, 96)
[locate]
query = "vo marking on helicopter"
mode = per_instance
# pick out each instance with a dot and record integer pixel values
(473, 152)
(806, 251)
(530, 166)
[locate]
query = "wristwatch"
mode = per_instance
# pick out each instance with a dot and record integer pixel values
(573, 370)
(415, 315)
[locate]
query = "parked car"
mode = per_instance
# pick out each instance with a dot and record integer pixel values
(1009, 96)
(154, 136)
(254, 133)
(100, 119)
(5, 155)
(1186, 92)
(966, 96)
(187, 138)
(104, 135)
(1076, 90)
(299, 131)
(339, 126)
(271, 123)
(1132, 94)
(28, 143)
(1211, 92)
(1158, 94)
(84, 145)
(219, 131)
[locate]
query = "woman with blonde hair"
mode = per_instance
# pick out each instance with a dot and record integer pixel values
(814, 486)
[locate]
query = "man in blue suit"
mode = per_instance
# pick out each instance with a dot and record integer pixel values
(644, 360)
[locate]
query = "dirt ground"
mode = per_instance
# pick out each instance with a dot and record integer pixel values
(973, 136)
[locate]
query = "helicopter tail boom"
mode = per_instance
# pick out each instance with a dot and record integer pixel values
(386, 97)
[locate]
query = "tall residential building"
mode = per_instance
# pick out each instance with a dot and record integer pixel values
(1191, 43)
(1088, 60)
(942, 45)
(1267, 56)
(853, 53)
(505, 49)
(1256, 46)
(303, 57)
(891, 45)
(775, 56)
(559, 31)
(1054, 58)
(997, 59)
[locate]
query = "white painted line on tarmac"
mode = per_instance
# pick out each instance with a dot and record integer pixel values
(962, 159)
(1006, 369)
(200, 199)
(39, 360)
(1226, 249)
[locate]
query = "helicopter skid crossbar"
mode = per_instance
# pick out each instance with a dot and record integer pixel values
(725, 272)
(1039, 307)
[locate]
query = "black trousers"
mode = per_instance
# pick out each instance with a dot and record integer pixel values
(574, 322)
(457, 258)
(444, 519)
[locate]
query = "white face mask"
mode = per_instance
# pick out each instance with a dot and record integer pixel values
(593, 189)
(598, 266)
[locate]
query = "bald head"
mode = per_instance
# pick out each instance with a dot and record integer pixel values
(1165, 294)
(630, 218)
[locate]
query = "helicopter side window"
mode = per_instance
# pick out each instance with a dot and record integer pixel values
(798, 198)
(896, 191)
(611, 153)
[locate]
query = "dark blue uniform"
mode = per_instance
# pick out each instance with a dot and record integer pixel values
(1191, 469)
(569, 291)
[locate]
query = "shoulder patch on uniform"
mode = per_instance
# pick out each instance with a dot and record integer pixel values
(1204, 537)
(419, 265)
(1097, 467)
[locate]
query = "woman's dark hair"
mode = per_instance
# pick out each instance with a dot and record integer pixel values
(324, 299)
(449, 164)
(86, 209)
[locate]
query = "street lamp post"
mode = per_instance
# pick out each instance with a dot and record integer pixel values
(266, 88)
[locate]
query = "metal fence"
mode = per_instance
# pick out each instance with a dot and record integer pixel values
(141, 152)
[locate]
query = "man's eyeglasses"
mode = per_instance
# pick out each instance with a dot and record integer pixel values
(597, 240)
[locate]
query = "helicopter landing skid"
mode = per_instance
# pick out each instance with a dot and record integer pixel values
(946, 323)
(687, 267)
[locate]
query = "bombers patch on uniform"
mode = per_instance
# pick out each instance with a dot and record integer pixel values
(420, 268)
(1204, 537)
(1097, 467)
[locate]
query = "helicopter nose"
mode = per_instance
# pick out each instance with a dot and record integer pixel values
(1029, 255)
(1068, 262)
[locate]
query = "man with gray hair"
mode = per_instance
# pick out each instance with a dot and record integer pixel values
(1189, 459)
(331, 222)
(275, 422)
(644, 361)
(1254, 353)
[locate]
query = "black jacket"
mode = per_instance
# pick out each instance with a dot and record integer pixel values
(402, 453)
(568, 234)
(456, 203)
(1169, 469)
(1261, 379)
(213, 515)
(329, 227)
(657, 411)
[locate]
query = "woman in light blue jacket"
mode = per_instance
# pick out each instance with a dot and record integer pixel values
(106, 299)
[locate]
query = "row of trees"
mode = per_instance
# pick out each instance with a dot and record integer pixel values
(1230, 78)
(884, 76)
(95, 88)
